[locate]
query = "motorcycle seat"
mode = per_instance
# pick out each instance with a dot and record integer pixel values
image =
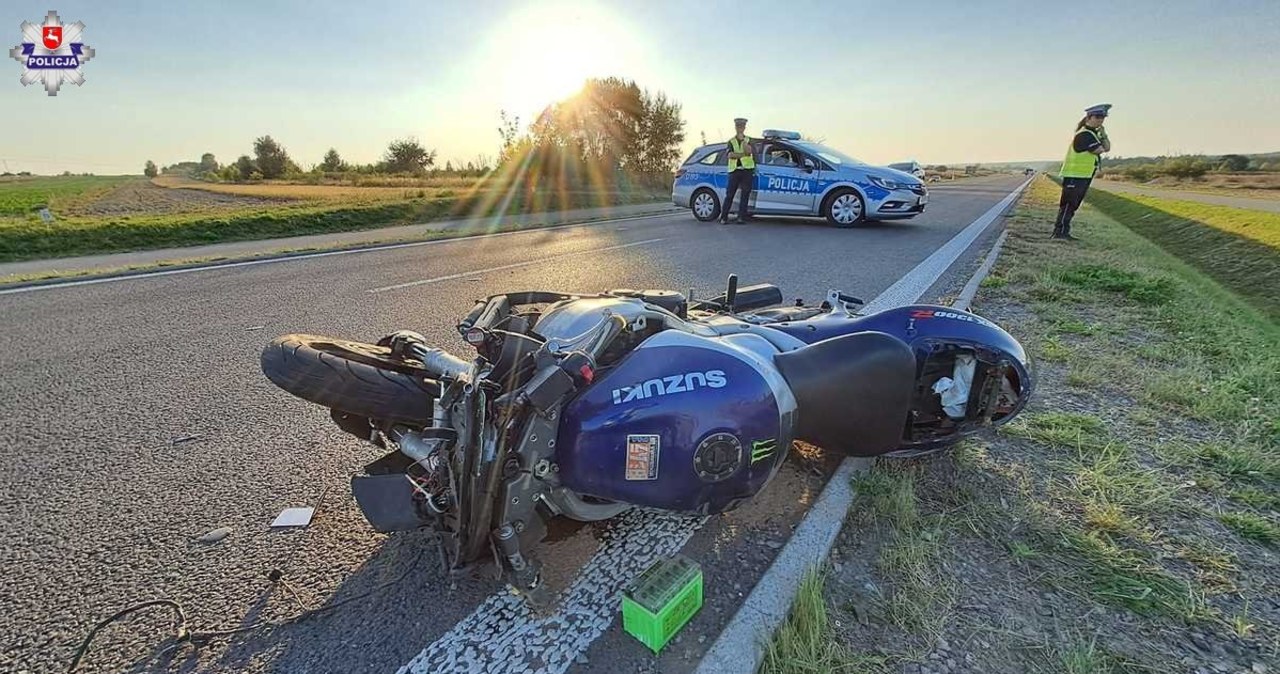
(853, 392)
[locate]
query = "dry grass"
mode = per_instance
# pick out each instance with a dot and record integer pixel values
(345, 193)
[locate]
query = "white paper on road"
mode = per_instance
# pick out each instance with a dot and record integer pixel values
(294, 517)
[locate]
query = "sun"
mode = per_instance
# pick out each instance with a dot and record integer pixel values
(543, 53)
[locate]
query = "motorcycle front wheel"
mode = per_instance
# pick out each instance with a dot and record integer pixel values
(361, 379)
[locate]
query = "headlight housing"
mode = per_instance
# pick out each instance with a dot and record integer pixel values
(887, 184)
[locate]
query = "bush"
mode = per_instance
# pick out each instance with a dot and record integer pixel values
(1184, 167)
(1139, 173)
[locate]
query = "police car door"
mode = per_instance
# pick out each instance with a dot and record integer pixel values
(784, 181)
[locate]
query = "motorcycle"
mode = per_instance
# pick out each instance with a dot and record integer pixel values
(585, 405)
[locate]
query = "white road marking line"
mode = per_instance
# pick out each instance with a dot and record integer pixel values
(372, 248)
(911, 286)
(527, 263)
(502, 636)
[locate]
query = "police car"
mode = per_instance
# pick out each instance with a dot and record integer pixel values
(799, 177)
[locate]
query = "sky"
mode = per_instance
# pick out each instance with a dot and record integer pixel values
(937, 82)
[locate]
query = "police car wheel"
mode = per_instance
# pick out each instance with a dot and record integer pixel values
(845, 208)
(705, 205)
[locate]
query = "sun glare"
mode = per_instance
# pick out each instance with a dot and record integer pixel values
(544, 53)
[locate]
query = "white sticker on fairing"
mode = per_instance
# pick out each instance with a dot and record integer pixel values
(680, 383)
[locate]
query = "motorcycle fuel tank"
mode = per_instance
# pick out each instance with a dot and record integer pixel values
(686, 423)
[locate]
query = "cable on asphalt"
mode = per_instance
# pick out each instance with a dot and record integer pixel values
(183, 634)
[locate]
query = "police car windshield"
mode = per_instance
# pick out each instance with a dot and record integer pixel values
(830, 155)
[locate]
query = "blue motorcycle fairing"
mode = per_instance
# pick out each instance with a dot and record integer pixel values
(684, 422)
(923, 327)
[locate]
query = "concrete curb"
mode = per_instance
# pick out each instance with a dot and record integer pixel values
(161, 269)
(741, 646)
(971, 288)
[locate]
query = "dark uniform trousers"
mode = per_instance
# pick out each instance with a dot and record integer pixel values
(740, 179)
(1073, 191)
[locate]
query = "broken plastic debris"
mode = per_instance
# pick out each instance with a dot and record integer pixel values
(215, 535)
(955, 392)
(294, 517)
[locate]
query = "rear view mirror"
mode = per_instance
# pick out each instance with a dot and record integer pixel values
(809, 164)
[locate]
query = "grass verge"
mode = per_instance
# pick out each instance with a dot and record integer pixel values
(808, 641)
(1127, 520)
(1239, 248)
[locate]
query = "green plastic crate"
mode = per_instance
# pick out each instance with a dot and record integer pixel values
(661, 600)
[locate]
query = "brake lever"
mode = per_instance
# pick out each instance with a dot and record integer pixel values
(835, 298)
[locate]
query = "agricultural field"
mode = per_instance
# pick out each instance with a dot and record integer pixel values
(21, 196)
(282, 190)
(123, 213)
(1253, 184)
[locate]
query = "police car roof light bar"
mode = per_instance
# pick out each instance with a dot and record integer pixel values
(785, 135)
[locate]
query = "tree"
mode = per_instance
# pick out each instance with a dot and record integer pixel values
(272, 160)
(150, 171)
(332, 162)
(245, 167)
(448, 166)
(509, 131)
(1234, 163)
(208, 164)
(661, 133)
(408, 156)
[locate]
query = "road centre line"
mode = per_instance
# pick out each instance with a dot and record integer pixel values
(515, 265)
(371, 248)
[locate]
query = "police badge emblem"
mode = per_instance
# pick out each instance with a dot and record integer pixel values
(52, 53)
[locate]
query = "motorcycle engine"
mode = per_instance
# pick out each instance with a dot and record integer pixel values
(670, 300)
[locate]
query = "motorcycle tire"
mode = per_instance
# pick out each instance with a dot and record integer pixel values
(360, 379)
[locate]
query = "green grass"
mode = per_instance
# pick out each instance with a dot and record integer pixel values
(1080, 657)
(1252, 526)
(1257, 498)
(1238, 463)
(1129, 578)
(24, 236)
(1239, 248)
(920, 595)
(1137, 287)
(808, 643)
(993, 281)
(1066, 429)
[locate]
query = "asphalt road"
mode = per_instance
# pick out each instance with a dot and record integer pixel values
(135, 419)
(1272, 205)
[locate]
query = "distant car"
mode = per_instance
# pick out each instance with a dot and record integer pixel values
(799, 177)
(909, 167)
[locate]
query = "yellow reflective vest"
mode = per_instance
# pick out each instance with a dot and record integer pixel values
(747, 162)
(1080, 164)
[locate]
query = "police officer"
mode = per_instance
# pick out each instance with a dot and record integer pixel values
(1081, 164)
(742, 172)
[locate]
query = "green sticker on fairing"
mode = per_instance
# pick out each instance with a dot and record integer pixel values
(763, 449)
